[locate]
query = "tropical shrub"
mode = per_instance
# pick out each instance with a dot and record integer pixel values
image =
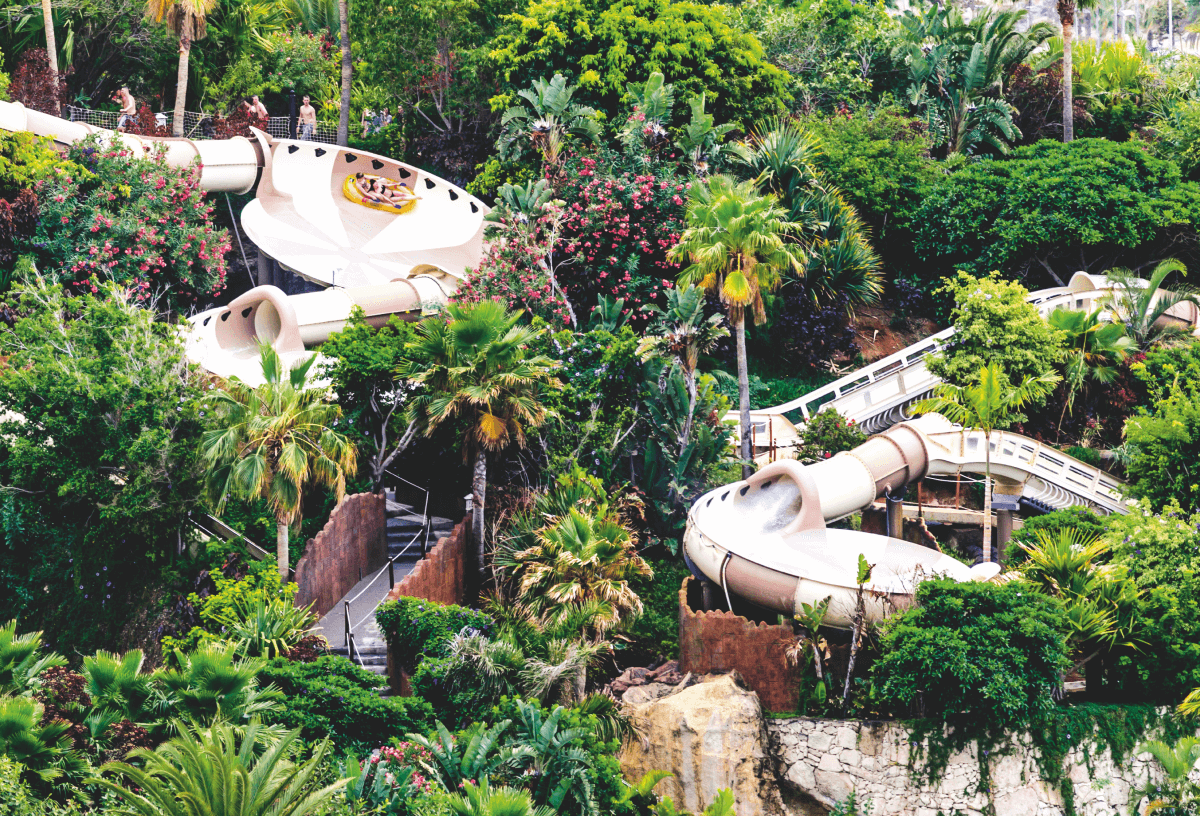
(978, 653)
(1034, 213)
(64, 567)
(388, 781)
(132, 220)
(335, 699)
(260, 585)
(416, 628)
(603, 49)
(1163, 445)
(994, 323)
(825, 434)
(655, 632)
(1071, 518)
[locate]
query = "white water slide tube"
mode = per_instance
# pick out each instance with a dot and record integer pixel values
(877, 395)
(764, 539)
(385, 263)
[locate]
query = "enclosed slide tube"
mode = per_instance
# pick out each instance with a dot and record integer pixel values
(765, 539)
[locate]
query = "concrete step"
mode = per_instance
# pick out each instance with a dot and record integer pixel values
(373, 658)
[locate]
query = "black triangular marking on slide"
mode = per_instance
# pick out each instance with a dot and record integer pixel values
(428, 184)
(453, 196)
(474, 207)
(403, 173)
(207, 319)
(293, 148)
(321, 152)
(350, 157)
(246, 312)
(377, 164)
(225, 316)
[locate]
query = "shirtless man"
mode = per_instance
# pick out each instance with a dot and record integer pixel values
(258, 108)
(128, 107)
(308, 120)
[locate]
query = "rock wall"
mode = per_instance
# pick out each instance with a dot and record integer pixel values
(351, 545)
(714, 642)
(827, 759)
(710, 736)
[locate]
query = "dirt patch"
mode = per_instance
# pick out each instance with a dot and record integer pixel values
(878, 333)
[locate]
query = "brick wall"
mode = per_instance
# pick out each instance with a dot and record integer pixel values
(351, 545)
(719, 641)
(440, 576)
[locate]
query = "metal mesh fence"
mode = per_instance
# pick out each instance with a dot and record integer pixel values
(196, 125)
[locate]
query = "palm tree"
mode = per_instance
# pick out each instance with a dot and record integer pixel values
(683, 334)
(272, 442)
(187, 20)
(1176, 792)
(987, 406)
(51, 48)
(477, 365)
(1094, 349)
(1066, 16)
(212, 771)
(343, 131)
(1143, 306)
(484, 800)
(841, 261)
(734, 239)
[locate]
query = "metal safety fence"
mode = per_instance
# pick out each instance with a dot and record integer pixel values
(198, 125)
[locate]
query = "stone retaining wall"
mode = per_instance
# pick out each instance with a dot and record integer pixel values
(827, 759)
(717, 642)
(351, 545)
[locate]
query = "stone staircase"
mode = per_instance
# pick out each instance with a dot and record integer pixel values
(406, 545)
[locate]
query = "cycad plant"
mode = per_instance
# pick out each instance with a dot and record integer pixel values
(1143, 306)
(987, 406)
(21, 660)
(477, 366)
(734, 242)
(484, 800)
(547, 121)
(274, 440)
(44, 749)
(217, 773)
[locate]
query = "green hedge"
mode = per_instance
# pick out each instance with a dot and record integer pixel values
(417, 628)
(332, 697)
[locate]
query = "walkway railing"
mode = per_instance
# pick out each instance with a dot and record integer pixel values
(193, 123)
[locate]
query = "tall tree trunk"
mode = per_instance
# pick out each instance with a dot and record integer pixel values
(181, 83)
(478, 495)
(987, 497)
(343, 131)
(282, 553)
(743, 395)
(1066, 13)
(687, 425)
(51, 48)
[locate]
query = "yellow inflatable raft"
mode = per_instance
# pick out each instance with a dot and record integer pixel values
(350, 191)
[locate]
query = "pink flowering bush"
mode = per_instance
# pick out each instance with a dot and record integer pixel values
(516, 268)
(621, 216)
(132, 220)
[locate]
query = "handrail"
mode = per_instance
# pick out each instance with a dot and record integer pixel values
(228, 533)
(424, 513)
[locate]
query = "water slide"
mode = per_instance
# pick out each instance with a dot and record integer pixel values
(302, 222)
(765, 539)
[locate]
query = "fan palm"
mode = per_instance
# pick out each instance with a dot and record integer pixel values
(477, 366)
(212, 771)
(44, 750)
(1143, 306)
(681, 335)
(484, 800)
(1066, 16)
(187, 20)
(987, 406)
(20, 661)
(274, 440)
(1176, 792)
(212, 684)
(116, 683)
(1094, 349)
(734, 239)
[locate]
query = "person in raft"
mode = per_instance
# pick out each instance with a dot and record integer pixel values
(382, 191)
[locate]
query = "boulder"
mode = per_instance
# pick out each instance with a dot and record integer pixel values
(711, 735)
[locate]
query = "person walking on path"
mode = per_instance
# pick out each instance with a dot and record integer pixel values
(308, 120)
(128, 108)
